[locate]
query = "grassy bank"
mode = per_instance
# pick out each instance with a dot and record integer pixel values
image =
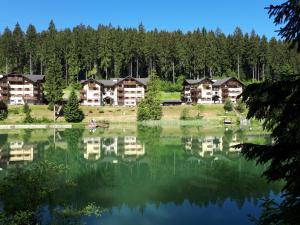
(210, 115)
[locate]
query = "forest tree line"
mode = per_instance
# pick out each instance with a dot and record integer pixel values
(70, 55)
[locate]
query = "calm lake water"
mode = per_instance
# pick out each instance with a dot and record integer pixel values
(142, 176)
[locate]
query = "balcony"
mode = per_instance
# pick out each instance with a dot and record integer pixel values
(129, 82)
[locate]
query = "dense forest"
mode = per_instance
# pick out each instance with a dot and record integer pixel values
(108, 52)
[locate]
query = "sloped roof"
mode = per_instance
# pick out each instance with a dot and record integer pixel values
(224, 80)
(143, 81)
(35, 78)
(191, 81)
(113, 81)
(109, 83)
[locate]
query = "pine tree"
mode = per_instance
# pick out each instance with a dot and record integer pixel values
(31, 45)
(150, 108)
(72, 112)
(228, 107)
(54, 84)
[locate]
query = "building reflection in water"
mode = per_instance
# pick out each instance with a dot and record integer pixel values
(211, 146)
(16, 152)
(125, 148)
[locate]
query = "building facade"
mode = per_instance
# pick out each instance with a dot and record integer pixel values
(19, 88)
(126, 91)
(197, 91)
(227, 88)
(206, 91)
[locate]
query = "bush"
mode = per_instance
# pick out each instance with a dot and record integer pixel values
(240, 106)
(3, 110)
(228, 105)
(26, 108)
(72, 112)
(168, 86)
(185, 114)
(101, 111)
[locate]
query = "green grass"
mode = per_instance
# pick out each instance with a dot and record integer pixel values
(170, 96)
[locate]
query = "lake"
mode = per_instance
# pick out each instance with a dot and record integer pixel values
(144, 175)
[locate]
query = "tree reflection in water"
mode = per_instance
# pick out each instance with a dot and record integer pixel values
(63, 183)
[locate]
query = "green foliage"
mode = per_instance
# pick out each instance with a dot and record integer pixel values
(277, 105)
(28, 118)
(107, 51)
(185, 114)
(72, 112)
(150, 108)
(228, 106)
(26, 108)
(3, 110)
(240, 106)
(54, 84)
(168, 86)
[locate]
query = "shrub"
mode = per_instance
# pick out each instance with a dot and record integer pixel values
(228, 105)
(3, 110)
(72, 112)
(184, 115)
(101, 111)
(240, 106)
(26, 108)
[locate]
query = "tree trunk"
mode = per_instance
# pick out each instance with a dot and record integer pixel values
(173, 74)
(210, 72)
(252, 73)
(41, 67)
(6, 66)
(131, 68)
(106, 76)
(30, 63)
(137, 68)
(258, 75)
(238, 66)
(66, 68)
(263, 72)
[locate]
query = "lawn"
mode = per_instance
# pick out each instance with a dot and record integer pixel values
(170, 95)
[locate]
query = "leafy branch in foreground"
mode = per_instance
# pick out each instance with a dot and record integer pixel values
(277, 104)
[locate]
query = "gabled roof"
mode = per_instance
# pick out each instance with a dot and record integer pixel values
(198, 81)
(143, 81)
(224, 80)
(33, 78)
(113, 81)
(90, 79)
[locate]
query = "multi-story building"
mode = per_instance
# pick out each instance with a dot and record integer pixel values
(197, 91)
(126, 91)
(19, 88)
(91, 93)
(207, 91)
(229, 87)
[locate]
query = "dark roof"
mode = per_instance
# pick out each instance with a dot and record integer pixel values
(190, 81)
(90, 79)
(224, 80)
(35, 78)
(143, 81)
(113, 81)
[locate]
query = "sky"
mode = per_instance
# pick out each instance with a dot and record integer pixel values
(170, 15)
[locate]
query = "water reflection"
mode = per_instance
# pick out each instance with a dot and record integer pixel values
(83, 174)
